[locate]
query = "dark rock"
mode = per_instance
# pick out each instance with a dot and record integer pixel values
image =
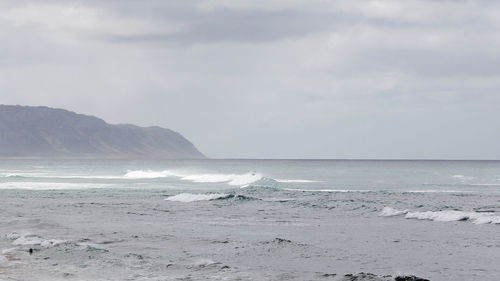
(372, 277)
(27, 131)
(410, 278)
(362, 277)
(281, 240)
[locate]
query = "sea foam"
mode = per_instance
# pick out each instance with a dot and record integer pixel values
(189, 197)
(443, 216)
(35, 240)
(463, 178)
(49, 185)
(390, 212)
(231, 179)
(296, 181)
(140, 174)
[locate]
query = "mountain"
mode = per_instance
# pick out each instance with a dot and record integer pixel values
(27, 131)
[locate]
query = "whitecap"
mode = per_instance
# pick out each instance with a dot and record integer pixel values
(35, 240)
(49, 185)
(296, 181)
(463, 178)
(450, 215)
(141, 174)
(12, 176)
(231, 179)
(189, 197)
(443, 216)
(390, 212)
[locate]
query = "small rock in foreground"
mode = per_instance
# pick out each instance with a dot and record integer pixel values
(372, 277)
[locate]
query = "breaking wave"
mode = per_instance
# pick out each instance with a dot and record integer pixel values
(189, 197)
(29, 239)
(243, 180)
(230, 179)
(12, 176)
(443, 216)
(51, 181)
(296, 181)
(390, 212)
(463, 178)
(140, 174)
(50, 185)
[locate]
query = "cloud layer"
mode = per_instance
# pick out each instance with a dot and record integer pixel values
(269, 79)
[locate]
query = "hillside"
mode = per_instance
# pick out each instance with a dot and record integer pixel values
(27, 131)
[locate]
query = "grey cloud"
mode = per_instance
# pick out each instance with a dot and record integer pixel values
(298, 79)
(236, 26)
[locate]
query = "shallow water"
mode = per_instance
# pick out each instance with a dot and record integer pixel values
(248, 219)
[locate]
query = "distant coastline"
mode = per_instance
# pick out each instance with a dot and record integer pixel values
(33, 132)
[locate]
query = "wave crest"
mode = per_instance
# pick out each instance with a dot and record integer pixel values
(29, 239)
(141, 174)
(190, 197)
(231, 179)
(443, 216)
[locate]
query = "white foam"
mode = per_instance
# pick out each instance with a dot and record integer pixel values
(189, 197)
(296, 181)
(11, 176)
(463, 178)
(20, 175)
(35, 240)
(231, 179)
(438, 216)
(82, 177)
(49, 176)
(140, 174)
(49, 185)
(390, 212)
(443, 216)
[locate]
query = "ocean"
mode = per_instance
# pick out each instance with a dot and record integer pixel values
(248, 219)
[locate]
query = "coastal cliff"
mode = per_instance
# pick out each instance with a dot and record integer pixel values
(27, 131)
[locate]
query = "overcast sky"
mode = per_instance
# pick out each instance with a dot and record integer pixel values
(268, 78)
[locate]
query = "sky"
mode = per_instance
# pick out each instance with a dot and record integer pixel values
(367, 79)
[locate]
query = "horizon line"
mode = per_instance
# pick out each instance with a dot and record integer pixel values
(248, 159)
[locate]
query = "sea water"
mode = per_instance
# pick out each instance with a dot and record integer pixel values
(248, 219)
